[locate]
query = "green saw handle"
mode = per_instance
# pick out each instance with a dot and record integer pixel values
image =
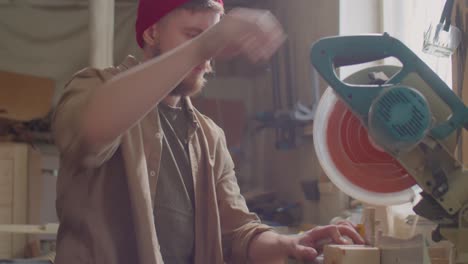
(334, 52)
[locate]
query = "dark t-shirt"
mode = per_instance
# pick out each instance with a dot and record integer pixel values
(174, 201)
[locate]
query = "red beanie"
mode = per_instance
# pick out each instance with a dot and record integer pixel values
(151, 11)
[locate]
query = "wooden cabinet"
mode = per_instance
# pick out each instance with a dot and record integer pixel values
(20, 173)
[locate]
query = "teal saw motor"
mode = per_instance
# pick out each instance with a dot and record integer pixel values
(378, 138)
(399, 118)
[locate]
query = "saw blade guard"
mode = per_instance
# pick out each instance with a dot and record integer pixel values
(352, 162)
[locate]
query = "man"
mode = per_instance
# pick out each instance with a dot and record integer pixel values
(146, 178)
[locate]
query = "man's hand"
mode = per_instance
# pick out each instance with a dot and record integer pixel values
(270, 247)
(309, 245)
(255, 34)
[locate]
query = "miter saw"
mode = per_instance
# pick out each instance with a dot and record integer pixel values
(378, 139)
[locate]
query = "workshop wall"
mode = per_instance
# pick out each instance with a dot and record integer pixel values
(305, 22)
(264, 166)
(360, 17)
(52, 41)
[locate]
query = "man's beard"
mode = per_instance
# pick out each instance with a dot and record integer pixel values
(191, 85)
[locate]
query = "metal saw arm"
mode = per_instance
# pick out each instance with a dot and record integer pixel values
(334, 52)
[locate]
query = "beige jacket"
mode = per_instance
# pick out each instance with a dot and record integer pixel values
(105, 193)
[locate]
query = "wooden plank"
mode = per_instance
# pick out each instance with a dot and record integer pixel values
(402, 255)
(7, 151)
(441, 253)
(50, 229)
(6, 182)
(14, 170)
(460, 70)
(6, 196)
(6, 171)
(369, 222)
(5, 245)
(5, 239)
(20, 196)
(403, 251)
(351, 254)
(35, 184)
